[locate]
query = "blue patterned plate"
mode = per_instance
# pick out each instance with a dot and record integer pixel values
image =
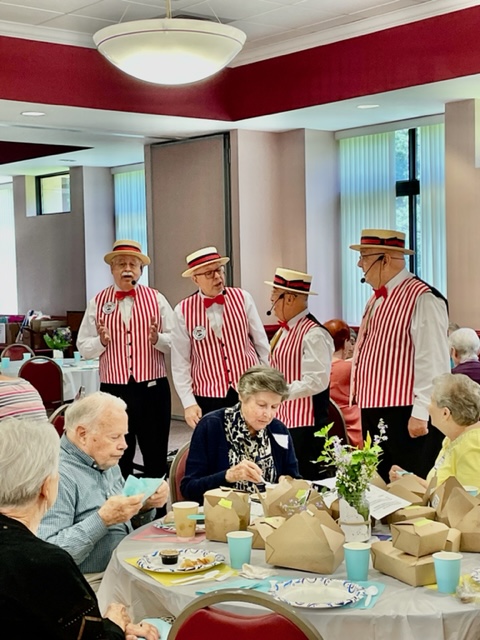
(189, 561)
(318, 593)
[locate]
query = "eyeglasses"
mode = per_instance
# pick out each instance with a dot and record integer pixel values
(209, 275)
(364, 256)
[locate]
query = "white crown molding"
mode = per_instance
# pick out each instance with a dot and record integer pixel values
(258, 51)
(291, 44)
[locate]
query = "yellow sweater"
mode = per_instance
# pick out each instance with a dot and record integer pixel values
(459, 458)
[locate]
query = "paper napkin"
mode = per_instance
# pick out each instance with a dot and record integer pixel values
(147, 486)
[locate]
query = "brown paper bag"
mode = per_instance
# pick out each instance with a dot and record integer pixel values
(288, 497)
(310, 541)
(266, 526)
(463, 512)
(441, 496)
(225, 510)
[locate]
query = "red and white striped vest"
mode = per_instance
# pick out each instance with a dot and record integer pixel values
(130, 352)
(383, 368)
(217, 364)
(287, 358)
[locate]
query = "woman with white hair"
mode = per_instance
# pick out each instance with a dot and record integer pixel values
(42, 591)
(455, 411)
(464, 347)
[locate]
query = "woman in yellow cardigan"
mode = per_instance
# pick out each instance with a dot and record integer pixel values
(455, 411)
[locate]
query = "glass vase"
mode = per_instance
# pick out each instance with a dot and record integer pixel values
(355, 517)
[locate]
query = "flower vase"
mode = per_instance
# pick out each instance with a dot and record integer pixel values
(355, 517)
(58, 354)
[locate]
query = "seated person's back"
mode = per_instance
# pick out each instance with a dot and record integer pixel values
(19, 399)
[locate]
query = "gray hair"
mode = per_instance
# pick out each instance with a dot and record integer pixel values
(29, 452)
(466, 343)
(262, 378)
(90, 410)
(460, 394)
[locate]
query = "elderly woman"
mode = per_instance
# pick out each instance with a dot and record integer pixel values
(242, 445)
(340, 375)
(464, 347)
(455, 411)
(40, 584)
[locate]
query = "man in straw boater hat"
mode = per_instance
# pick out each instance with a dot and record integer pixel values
(302, 350)
(401, 346)
(218, 335)
(128, 326)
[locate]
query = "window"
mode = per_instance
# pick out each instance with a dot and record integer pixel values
(393, 180)
(53, 193)
(130, 207)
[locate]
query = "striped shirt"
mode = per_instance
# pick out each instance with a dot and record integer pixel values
(19, 399)
(73, 522)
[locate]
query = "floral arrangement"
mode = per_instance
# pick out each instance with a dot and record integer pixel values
(60, 338)
(354, 467)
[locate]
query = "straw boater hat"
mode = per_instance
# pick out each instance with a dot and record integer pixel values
(126, 248)
(382, 239)
(202, 258)
(294, 281)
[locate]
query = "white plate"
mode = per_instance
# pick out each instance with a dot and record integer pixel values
(318, 593)
(153, 561)
(475, 575)
(170, 526)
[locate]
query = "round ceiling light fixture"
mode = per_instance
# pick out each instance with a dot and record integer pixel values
(170, 51)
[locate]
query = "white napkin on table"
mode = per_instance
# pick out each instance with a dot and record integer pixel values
(256, 573)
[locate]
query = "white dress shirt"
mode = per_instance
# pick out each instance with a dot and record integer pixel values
(317, 353)
(181, 370)
(429, 331)
(88, 340)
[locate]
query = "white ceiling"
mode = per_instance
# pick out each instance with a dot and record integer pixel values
(273, 27)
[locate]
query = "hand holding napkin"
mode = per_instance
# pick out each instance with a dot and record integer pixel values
(133, 486)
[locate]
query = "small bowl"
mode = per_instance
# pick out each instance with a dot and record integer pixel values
(169, 556)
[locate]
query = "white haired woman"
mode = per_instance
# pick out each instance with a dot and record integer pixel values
(242, 445)
(40, 584)
(455, 411)
(464, 347)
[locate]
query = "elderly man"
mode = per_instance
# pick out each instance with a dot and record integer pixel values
(302, 350)
(464, 347)
(128, 325)
(217, 336)
(402, 345)
(91, 516)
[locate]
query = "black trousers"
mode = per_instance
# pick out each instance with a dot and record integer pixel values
(412, 454)
(212, 404)
(307, 449)
(149, 414)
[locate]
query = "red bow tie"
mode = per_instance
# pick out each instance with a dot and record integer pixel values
(220, 299)
(121, 295)
(380, 293)
(284, 325)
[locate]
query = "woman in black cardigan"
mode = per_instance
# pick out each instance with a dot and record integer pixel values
(244, 445)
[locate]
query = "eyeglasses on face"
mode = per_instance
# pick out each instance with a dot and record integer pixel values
(209, 275)
(124, 264)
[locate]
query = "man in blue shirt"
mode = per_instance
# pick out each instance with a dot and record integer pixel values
(91, 516)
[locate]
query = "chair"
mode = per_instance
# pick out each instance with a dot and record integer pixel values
(339, 427)
(201, 621)
(58, 418)
(47, 378)
(16, 351)
(177, 471)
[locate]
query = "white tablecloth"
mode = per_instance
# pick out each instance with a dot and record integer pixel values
(400, 613)
(74, 376)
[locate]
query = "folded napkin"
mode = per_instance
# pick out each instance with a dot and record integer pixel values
(147, 486)
(256, 573)
(361, 603)
(162, 625)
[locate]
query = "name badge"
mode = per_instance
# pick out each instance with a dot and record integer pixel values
(199, 333)
(108, 308)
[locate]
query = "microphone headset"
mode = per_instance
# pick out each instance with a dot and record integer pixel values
(134, 282)
(269, 312)
(380, 257)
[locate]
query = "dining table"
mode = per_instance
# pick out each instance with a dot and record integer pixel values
(399, 612)
(76, 374)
